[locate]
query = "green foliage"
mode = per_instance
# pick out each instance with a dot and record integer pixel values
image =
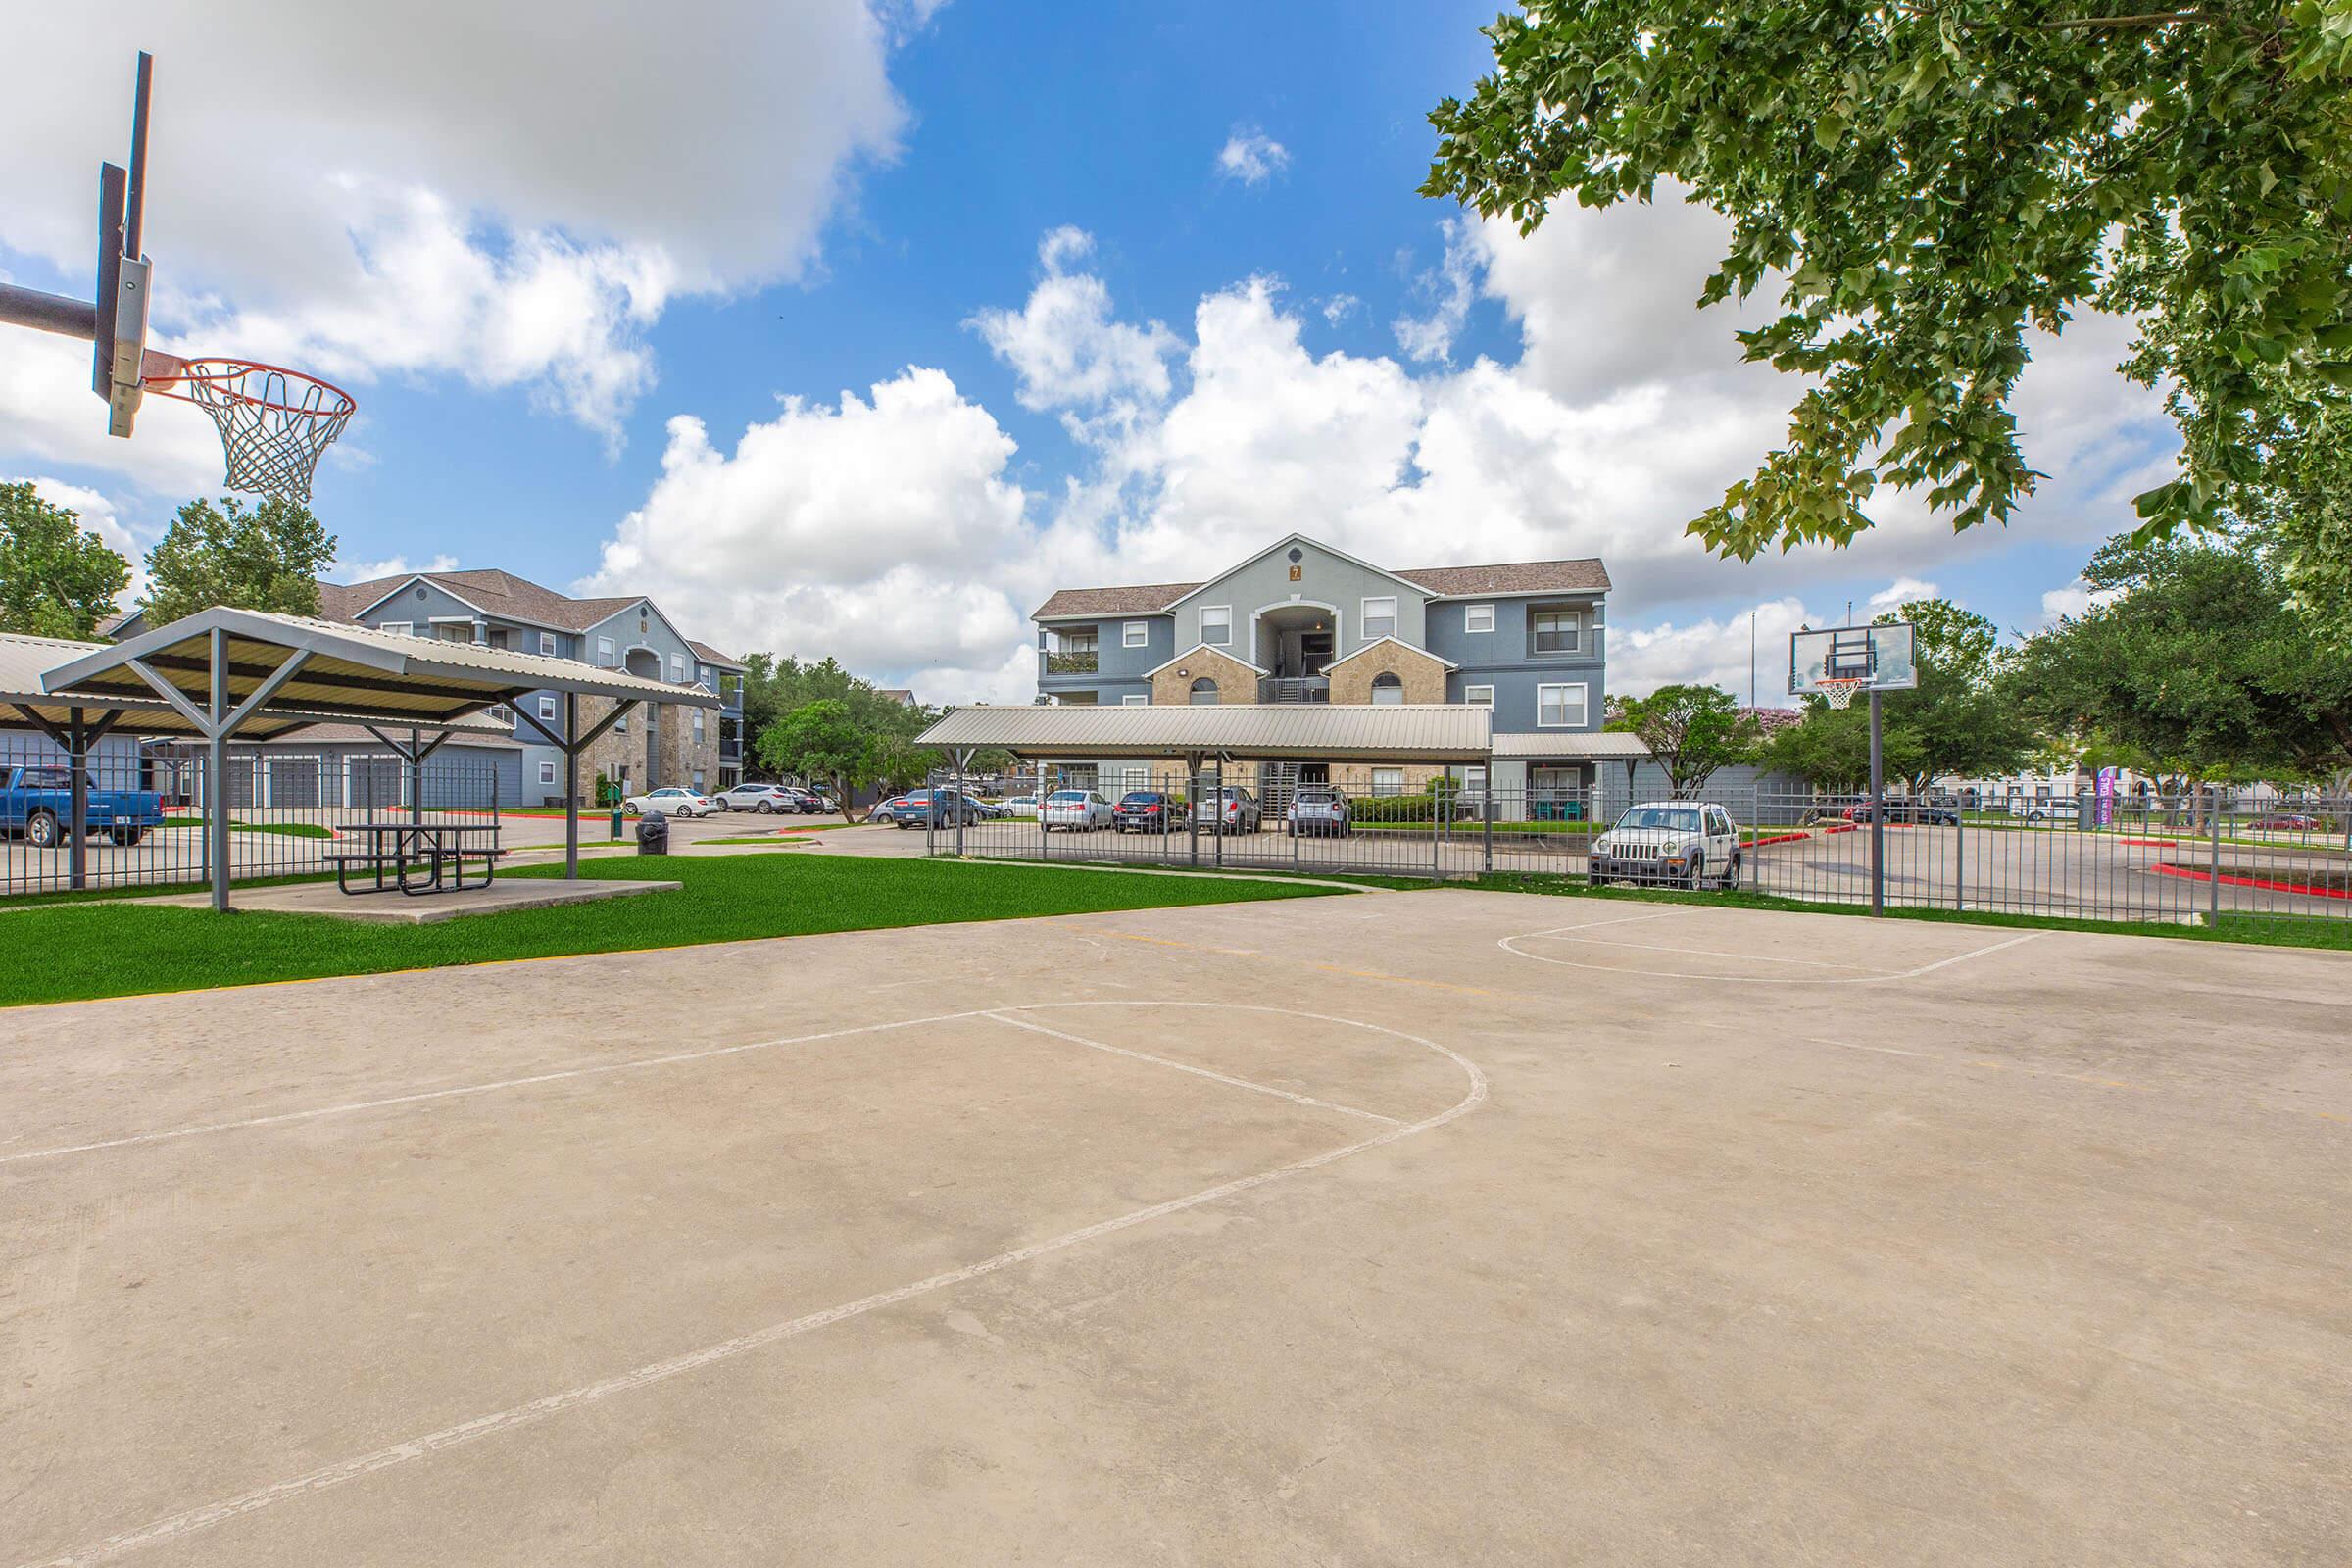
(1924, 183)
(1691, 732)
(823, 741)
(1421, 808)
(266, 557)
(56, 579)
(2199, 667)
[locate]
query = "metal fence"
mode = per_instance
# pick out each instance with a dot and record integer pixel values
(2134, 859)
(146, 812)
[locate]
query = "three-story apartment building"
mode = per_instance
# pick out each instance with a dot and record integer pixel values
(657, 745)
(1301, 621)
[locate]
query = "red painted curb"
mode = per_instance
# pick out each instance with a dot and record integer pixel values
(1779, 838)
(1843, 827)
(2254, 882)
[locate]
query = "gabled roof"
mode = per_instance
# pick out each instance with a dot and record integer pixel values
(1580, 576)
(712, 656)
(1394, 643)
(1144, 599)
(1293, 539)
(490, 591)
(1204, 647)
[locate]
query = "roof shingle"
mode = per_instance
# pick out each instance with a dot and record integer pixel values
(1584, 575)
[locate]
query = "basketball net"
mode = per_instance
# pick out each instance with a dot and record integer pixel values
(274, 422)
(1837, 693)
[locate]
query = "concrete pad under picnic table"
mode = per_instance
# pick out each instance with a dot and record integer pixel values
(394, 907)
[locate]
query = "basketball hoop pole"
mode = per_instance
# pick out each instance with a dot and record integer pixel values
(1878, 815)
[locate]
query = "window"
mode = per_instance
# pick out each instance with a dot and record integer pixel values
(1478, 617)
(697, 725)
(547, 704)
(498, 637)
(1135, 634)
(1561, 706)
(1071, 651)
(1217, 625)
(1204, 693)
(1387, 689)
(500, 713)
(1475, 781)
(547, 772)
(1552, 629)
(677, 670)
(1380, 619)
(603, 651)
(1136, 699)
(1388, 781)
(1479, 696)
(398, 628)
(1079, 699)
(698, 781)
(547, 643)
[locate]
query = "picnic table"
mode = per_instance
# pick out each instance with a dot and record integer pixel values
(421, 857)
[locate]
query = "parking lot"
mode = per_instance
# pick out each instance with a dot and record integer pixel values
(1436, 1226)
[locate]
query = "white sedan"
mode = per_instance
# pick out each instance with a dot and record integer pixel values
(1019, 806)
(1074, 811)
(672, 801)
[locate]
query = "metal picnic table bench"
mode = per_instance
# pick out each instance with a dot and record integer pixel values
(422, 858)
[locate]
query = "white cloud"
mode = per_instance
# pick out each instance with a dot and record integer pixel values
(1449, 287)
(1065, 344)
(1739, 654)
(389, 566)
(1251, 157)
(1339, 307)
(506, 192)
(2077, 597)
(1902, 591)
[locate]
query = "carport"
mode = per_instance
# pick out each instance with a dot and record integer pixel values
(226, 674)
(1597, 746)
(1213, 737)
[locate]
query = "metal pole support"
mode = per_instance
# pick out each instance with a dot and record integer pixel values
(217, 790)
(77, 787)
(572, 786)
(2213, 887)
(1486, 820)
(1878, 815)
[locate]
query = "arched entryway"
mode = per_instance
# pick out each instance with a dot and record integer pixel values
(1293, 644)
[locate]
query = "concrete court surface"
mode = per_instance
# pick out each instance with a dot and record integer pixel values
(1434, 1227)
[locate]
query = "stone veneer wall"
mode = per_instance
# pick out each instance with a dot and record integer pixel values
(678, 753)
(1236, 682)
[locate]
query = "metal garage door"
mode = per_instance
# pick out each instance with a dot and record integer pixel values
(240, 782)
(294, 782)
(373, 782)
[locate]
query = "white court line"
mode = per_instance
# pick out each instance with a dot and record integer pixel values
(354, 1108)
(1202, 1072)
(1888, 978)
(480, 1427)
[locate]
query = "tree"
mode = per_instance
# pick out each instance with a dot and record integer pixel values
(1691, 732)
(56, 579)
(1830, 748)
(262, 558)
(1925, 181)
(2194, 663)
(822, 741)
(1957, 721)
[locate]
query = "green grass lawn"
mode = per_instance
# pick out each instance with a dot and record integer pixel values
(2278, 931)
(62, 952)
(291, 830)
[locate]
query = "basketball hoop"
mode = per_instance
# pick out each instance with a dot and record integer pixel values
(1838, 692)
(274, 422)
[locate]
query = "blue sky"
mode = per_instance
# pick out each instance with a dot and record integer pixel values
(856, 332)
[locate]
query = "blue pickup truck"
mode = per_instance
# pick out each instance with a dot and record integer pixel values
(37, 804)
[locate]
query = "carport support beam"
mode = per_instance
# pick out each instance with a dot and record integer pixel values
(572, 743)
(216, 767)
(1192, 817)
(1878, 815)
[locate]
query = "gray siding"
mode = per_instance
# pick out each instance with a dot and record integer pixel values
(1324, 579)
(1115, 664)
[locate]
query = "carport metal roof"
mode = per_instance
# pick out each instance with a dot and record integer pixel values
(1378, 732)
(25, 660)
(1582, 746)
(338, 671)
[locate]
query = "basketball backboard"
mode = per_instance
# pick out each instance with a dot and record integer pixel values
(1844, 660)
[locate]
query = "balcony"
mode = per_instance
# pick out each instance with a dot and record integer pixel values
(1294, 689)
(1071, 662)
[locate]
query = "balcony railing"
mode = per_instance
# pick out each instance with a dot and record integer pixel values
(1070, 661)
(1294, 689)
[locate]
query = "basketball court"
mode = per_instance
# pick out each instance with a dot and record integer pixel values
(1438, 1226)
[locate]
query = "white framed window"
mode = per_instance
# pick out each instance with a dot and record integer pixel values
(698, 781)
(547, 704)
(547, 643)
(1380, 619)
(1136, 699)
(1387, 689)
(1217, 625)
(398, 628)
(1553, 629)
(677, 670)
(1479, 696)
(603, 651)
(1474, 779)
(1478, 617)
(698, 723)
(1388, 781)
(1135, 634)
(1561, 706)
(547, 772)
(501, 713)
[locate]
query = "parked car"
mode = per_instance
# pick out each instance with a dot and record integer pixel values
(764, 799)
(1915, 811)
(672, 801)
(37, 803)
(1232, 809)
(2036, 810)
(809, 802)
(1150, 812)
(1682, 841)
(1319, 812)
(1074, 811)
(887, 812)
(2291, 822)
(1022, 806)
(953, 806)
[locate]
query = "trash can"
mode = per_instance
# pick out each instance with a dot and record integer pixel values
(652, 834)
